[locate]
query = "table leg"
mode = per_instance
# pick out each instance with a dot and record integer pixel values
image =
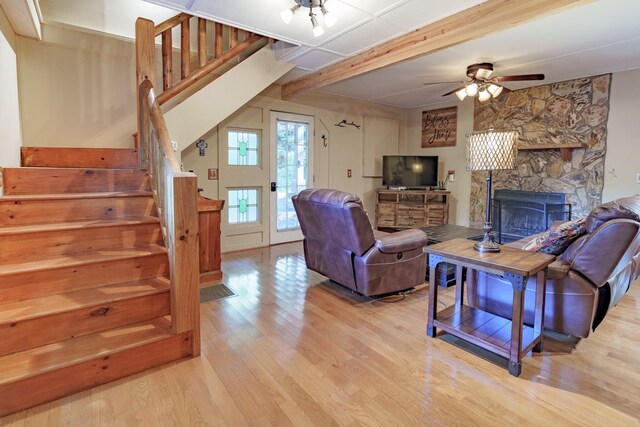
(518, 285)
(538, 323)
(459, 286)
(433, 294)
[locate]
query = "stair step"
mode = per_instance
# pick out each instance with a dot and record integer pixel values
(32, 242)
(41, 180)
(28, 324)
(42, 374)
(76, 157)
(50, 276)
(48, 208)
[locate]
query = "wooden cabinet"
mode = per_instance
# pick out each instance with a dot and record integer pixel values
(411, 208)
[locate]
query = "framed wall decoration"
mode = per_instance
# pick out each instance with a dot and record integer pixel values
(439, 127)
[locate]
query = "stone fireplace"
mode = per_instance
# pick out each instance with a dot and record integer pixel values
(517, 214)
(574, 111)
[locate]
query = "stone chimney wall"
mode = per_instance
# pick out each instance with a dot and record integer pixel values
(570, 111)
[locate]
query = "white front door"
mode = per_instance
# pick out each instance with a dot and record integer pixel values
(291, 171)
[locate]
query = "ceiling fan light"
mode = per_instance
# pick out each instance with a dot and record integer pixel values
(484, 95)
(461, 94)
(471, 89)
(495, 90)
(287, 14)
(317, 28)
(483, 73)
(329, 18)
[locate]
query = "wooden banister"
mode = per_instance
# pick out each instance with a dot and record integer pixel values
(200, 73)
(175, 193)
(170, 23)
(145, 70)
(237, 43)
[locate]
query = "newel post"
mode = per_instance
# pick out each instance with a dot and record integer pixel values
(145, 70)
(183, 258)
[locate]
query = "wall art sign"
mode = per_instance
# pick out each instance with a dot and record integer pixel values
(439, 127)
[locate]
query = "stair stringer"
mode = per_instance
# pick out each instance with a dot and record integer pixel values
(205, 109)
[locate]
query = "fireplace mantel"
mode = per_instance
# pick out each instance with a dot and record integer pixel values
(566, 149)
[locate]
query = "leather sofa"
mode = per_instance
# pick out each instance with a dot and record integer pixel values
(339, 243)
(586, 280)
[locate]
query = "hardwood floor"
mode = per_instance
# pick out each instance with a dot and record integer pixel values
(294, 349)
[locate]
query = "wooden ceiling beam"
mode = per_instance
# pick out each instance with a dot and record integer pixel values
(477, 21)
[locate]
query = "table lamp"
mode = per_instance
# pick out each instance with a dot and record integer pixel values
(488, 151)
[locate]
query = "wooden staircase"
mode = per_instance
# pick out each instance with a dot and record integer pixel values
(85, 296)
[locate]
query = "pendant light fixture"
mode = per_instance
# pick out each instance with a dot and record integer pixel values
(329, 18)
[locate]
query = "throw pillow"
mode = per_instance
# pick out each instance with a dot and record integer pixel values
(556, 240)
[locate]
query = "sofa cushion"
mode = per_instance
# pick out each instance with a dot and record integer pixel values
(626, 207)
(556, 240)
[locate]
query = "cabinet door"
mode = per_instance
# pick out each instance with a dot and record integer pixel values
(386, 215)
(435, 214)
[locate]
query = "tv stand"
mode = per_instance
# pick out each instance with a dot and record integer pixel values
(409, 208)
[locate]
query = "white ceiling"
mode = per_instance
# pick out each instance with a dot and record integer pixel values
(598, 37)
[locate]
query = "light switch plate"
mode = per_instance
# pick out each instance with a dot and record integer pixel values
(212, 174)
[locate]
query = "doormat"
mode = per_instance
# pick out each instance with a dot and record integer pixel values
(215, 293)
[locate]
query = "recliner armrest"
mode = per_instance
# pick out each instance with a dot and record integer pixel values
(401, 241)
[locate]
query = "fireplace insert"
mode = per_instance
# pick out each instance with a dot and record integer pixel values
(518, 214)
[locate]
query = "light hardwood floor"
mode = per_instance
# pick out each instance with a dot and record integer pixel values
(293, 349)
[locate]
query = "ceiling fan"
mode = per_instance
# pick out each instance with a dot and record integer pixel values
(481, 83)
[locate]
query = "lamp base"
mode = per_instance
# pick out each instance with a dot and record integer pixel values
(487, 244)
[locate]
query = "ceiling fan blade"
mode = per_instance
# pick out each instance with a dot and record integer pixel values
(520, 77)
(453, 91)
(441, 83)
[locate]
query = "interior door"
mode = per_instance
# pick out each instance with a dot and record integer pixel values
(291, 171)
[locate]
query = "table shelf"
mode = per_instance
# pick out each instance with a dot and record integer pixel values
(486, 330)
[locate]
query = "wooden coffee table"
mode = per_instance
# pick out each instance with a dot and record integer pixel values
(508, 338)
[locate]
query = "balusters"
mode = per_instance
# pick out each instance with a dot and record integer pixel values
(228, 43)
(233, 37)
(167, 60)
(218, 40)
(185, 49)
(202, 41)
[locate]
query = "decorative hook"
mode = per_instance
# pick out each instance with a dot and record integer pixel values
(344, 123)
(324, 140)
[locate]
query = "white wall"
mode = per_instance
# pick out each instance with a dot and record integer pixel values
(11, 138)
(77, 89)
(449, 158)
(344, 148)
(622, 162)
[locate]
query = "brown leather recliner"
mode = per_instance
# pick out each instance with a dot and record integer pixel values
(339, 243)
(587, 279)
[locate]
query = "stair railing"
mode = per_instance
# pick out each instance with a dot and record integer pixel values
(175, 193)
(229, 43)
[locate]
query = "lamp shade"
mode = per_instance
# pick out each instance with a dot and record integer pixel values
(491, 150)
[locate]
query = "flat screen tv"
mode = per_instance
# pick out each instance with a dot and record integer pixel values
(410, 171)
